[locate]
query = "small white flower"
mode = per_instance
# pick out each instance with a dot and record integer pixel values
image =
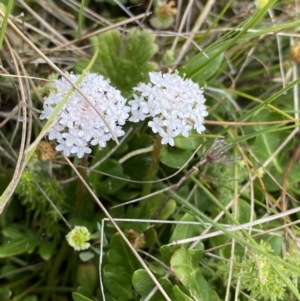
(176, 105)
(78, 237)
(62, 146)
(79, 124)
(167, 137)
(156, 125)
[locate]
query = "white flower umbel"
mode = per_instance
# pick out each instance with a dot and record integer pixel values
(80, 125)
(78, 237)
(176, 105)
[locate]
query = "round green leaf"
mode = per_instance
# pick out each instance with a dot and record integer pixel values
(86, 256)
(173, 157)
(46, 249)
(87, 275)
(142, 283)
(79, 297)
(5, 294)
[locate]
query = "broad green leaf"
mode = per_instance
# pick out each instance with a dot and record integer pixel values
(276, 243)
(46, 249)
(173, 157)
(266, 143)
(146, 210)
(111, 186)
(152, 205)
(20, 246)
(12, 232)
(200, 68)
(150, 237)
(244, 212)
(125, 60)
(167, 252)
(5, 294)
(269, 183)
(213, 296)
(183, 231)
(180, 295)
(294, 174)
(108, 184)
(185, 266)
(190, 143)
(118, 281)
(79, 297)
(120, 255)
(87, 275)
(143, 284)
(83, 291)
(157, 268)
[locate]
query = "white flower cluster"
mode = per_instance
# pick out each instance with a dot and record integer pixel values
(80, 125)
(176, 105)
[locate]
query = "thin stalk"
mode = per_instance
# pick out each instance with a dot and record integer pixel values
(153, 165)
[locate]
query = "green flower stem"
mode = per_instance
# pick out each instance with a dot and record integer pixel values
(153, 165)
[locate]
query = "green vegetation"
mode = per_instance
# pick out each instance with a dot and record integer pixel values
(214, 217)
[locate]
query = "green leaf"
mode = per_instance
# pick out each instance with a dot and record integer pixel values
(83, 291)
(185, 266)
(157, 268)
(16, 247)
(145, 211)
(183, 231)
(46, 249)
(143, 284)
(173, 157)
(12, 232)
(125, 60)
(153, 203)
(108, 184)
(79, 297)
(120, 254)
(87, 275)
(266, 143)
(200, 68)
(167, 252)
(86, 256)
(244, 212)
(190, 143)
(179, 295)
(118, 281)
(5, 294)
(276, 243)
(150, 237)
